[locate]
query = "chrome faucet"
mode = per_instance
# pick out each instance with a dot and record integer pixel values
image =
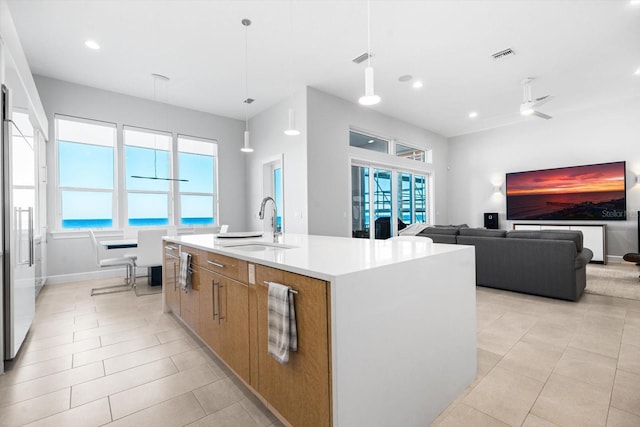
(273, 219)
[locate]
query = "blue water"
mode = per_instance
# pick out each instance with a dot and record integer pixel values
(87, 223)
(133, 222)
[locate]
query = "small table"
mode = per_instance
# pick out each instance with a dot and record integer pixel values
(120, 244)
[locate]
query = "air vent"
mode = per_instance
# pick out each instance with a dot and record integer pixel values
(503, 54)
(360, 59)
(248, 100)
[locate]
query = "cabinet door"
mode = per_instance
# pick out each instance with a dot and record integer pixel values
(300, 389)
(209, 322)
(170, 282)
(234, 333)
(190, 301)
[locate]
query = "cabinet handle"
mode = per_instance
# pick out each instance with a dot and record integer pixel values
(213, 298)
(170, 248)
(216, 264)
(175, 277)
(219, 304)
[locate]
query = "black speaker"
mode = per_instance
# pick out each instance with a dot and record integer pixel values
(491, 220)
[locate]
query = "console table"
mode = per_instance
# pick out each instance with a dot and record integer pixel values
(594, 236)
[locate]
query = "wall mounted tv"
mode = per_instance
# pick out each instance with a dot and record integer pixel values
(589, 192)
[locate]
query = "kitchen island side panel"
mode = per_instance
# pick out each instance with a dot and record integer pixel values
(403, 340)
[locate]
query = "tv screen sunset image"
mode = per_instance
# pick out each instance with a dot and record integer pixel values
(591, 192)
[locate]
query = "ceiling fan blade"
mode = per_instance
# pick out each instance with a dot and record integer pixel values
(542, 100)
(541, 115)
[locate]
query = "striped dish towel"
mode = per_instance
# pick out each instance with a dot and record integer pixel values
(185, 270)
(282, 332)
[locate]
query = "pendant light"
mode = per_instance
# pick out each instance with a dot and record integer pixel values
(291, 128)
(369, 98)
(246, 148)
(165, 80)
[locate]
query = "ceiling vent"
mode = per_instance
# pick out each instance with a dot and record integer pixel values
(503, 54)
(248, 100)
(360, 59)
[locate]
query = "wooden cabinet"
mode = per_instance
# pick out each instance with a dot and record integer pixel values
(209, 324)
(170, 277)
(300, 389)
(190, 301)
(234, 320)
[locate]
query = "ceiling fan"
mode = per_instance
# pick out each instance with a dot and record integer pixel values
(529, 106)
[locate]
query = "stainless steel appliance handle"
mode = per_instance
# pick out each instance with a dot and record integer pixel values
(31, 238)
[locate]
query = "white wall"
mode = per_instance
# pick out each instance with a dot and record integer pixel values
(269, 141)
(328, 152)
(73, 255)
(597, 135)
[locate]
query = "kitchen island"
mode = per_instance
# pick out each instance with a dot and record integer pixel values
(386, 328)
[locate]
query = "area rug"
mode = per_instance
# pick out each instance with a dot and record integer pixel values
(614, 279)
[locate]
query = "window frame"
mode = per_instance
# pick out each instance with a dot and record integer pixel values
(60, 189)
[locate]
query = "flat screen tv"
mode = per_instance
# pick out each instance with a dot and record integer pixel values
(590, 192)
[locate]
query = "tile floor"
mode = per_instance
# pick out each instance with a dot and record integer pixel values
(117, 360)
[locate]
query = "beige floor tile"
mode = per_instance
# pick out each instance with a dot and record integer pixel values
(109, 351)
(486, 361)
(131, 333)
(504, 332)
(106, 330)
(219, 394)
(141, 357)
(34, 409)
(43, 343)
(18, 374)
(504, 395)
(44, 385)
(232, 416)
(258, 411)
(178, 411)
(631, 334)
(55, 352)
(533, 360)
(549, 334)
(618, 418)
(149, 394)
(111, 384)
(591, 368)
(464, 415)
(92, 414)
(569, 402)
(198, 357)
(626, 392)
(535, 421)
(601, 341)
(629, 359)
(49, 330)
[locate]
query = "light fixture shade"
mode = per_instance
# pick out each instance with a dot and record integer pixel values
(247, 147)
(369, 98)
(291, 128)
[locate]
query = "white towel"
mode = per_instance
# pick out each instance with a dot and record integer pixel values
(185, 270)
(282, 331)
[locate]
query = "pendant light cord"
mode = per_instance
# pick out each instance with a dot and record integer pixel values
(246, 77)
(155, 137)
(368, 34)
(290, 48)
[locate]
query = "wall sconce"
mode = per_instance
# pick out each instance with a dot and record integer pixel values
(637, 179)
(497, 188)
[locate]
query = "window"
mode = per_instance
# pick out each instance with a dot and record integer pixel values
(197, 164)
(368, 142)
(86, 172)
(410, 152)
(372, 190)
(147, 176)
(277, 196)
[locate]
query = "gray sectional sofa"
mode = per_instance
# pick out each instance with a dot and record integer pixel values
(546, 263)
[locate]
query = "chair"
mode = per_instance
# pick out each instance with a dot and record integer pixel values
(149, 250)
(111, 262)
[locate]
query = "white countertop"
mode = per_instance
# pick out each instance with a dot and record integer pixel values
(322, 257)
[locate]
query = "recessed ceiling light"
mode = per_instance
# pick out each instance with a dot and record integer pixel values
(634, 2)
(417, 84)
(371, 141)
(637, 73)
(405, 78)
(92, 44)
(473, 115)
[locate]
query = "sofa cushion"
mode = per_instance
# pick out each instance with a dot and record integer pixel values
(575, 236)
(482, 232)
(440, 230)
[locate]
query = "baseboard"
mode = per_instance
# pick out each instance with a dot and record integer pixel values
(614, 259)
(88, 275)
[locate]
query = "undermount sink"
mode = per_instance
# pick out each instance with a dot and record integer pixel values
(258, 246)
